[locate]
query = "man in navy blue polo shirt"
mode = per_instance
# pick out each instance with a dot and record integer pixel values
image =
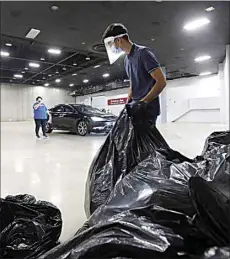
(146, 78)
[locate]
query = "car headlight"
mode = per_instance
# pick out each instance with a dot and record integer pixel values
(97, 119)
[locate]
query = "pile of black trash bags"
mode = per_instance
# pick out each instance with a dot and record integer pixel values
(145, 200)
(28, 228)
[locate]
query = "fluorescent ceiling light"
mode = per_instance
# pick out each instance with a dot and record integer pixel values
(46, 84)
(64, 68)
(58, 80)
(85, 81)
(8, 44)
(54, 51)
(83, 43)
(34, 65)
(57, 72)
(126, 80)
(74, 74)
(106, 75)
(87, 58)
(202, 58)
(205, 73)
(74, 63)
(4, 54)
(42, 59)
(96, 66)
(71, 85)
(196, 24)
(33, 33)
(18, 76)
(49, 75)
(209, 9)
(26, 68)
(23, 72)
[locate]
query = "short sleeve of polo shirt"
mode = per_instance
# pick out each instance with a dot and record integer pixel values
(149, 60)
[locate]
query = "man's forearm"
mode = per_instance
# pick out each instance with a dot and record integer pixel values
(154, 92)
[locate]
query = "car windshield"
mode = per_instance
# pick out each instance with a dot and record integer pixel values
(88, 109)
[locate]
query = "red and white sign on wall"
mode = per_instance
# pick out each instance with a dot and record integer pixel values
(117, 101)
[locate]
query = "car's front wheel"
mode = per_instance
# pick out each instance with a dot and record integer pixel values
(82, 128)
(49, 128)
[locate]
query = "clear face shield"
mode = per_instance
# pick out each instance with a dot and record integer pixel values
(113, 52)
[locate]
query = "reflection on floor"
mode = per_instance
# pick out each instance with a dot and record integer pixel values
(55, 170)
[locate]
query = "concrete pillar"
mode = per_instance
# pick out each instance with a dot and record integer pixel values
(227, 83)
(163, 102)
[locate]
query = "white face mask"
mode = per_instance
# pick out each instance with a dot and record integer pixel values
(116, 50)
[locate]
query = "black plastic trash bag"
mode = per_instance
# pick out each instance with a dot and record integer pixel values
(124, 148)
(28, 227)
(217, 253)
(158, 210)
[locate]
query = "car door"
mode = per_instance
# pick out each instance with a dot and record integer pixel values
(57, 117)
(69, 117)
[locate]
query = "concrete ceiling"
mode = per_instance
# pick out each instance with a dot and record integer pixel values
(76, 28)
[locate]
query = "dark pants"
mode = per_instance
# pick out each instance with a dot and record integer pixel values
(38, 124)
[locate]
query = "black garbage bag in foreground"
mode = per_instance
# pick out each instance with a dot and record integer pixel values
(28, 227)
(149, 203)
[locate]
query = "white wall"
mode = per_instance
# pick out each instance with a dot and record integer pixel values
(194, 99)
(114, 94)
(226, 71)
(17, 100)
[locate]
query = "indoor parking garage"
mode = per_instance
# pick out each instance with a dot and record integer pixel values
(115, 123)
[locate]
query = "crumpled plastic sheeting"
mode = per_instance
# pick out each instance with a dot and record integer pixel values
(217, 253)
(28, 227)
(165, 207)
(124, 148)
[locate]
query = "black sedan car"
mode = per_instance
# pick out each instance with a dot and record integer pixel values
(81, 119)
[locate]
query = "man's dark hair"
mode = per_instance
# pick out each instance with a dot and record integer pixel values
(115, 29)
(38, 98)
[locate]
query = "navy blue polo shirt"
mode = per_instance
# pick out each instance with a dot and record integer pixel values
(138, 65)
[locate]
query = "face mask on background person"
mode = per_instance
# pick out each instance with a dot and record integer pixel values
(39, 100)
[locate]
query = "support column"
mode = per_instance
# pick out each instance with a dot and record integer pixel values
(227, 82)
(163, 102)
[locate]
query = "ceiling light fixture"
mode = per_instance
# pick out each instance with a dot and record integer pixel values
(23, 72)
(42, 59)
(71, 85)
(58, 80)
(54, 51)
(74, 63)
(85, 81)
(106, 75)
(26, 68)
(46, 84)
(87, 58)
(74, 74)
(205, 73)
(83, 43)
(56, 72)
(4, 54)
(96, 66)
(202, 58)
(8, 44)
(54, 8)
(209, 9)
(18, 76)
(33, 33)
(196, 24)
(64, 68)
(152, 39)
(31, 64)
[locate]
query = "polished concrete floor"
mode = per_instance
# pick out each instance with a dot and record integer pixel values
(55, 170)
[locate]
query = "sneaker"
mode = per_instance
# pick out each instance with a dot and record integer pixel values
(45, 136)
(37, 136)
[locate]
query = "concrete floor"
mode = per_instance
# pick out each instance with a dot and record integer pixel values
(55, 170)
